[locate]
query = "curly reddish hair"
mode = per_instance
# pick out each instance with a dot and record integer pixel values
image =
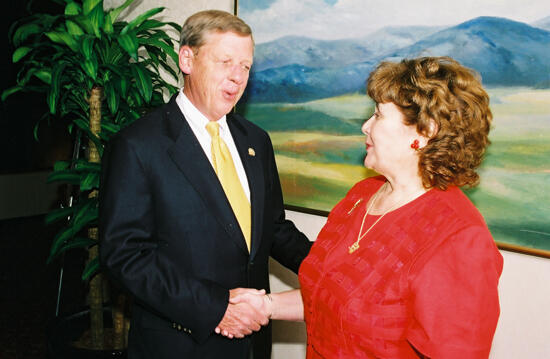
(439, 91)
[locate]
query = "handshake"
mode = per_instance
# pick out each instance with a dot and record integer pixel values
(247, 311)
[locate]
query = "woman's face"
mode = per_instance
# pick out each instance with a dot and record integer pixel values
(388, 141)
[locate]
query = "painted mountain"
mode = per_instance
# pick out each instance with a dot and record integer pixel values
(296, 69)
(543, 23)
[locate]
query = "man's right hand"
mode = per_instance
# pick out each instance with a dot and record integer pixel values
(241, 318)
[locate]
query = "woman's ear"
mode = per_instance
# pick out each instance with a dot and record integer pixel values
(186, 59)
(433, 128)
(431, 132)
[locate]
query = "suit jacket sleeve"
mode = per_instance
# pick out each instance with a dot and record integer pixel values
(133, 252)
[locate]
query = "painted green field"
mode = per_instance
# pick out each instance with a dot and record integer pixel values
(320, 151)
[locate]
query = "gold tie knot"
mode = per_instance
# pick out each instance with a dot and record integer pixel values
(213, 128)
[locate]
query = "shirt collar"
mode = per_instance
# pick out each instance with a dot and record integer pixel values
(194, 116)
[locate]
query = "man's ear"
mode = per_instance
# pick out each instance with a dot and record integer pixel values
(186, 57)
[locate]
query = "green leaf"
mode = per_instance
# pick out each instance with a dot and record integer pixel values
(78, 242)
(170, 70)
(61, 165)
(85, 214)
(10, 91)
(123, 85)
(57, 214)
(73, 8)
(63, 38)
(151, 24)
(90, 67)
(174, 25)
(140, 19)
(130, 44)
(84, 165)
(20, 53)
(110, 127)
(89, 181)
(114, 13)
(84, 125)
(97, 18)
(87, 46)
(85, 23)
(65, 177)
(59, 240)
(55, 86)
(89, 5)
(143, 82)
(108, 25)
(112, 97)
(44, 75)
(91, 268)
(24, 31)
(73, 28)
(37, 125)
(161, 44)
(75, 242)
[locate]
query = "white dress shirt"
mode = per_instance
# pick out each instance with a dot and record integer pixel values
(197, 121)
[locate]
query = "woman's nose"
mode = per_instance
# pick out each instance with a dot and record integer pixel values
(365, 127)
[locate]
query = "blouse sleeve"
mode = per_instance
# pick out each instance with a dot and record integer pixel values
(455, 296)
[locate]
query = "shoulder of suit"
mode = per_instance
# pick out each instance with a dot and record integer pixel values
(241, 121)
(148, 125)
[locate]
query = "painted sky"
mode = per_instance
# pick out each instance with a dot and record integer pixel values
(338, 19)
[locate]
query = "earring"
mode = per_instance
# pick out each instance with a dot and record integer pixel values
(415, 145)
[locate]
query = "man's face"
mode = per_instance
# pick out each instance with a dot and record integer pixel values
(217, 72)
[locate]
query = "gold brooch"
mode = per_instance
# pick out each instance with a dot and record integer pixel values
(355, 205)
(251, 151)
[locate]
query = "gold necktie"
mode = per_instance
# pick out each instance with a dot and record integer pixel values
(227, 174)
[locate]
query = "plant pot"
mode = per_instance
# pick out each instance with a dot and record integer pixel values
(63, 332)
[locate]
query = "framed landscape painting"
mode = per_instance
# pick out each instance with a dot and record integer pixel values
(307, 89)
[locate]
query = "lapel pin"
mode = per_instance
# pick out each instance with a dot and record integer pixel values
(251, 151)
(355, 205)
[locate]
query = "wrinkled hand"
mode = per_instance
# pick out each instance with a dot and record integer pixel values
(257, 299)
(241, 318)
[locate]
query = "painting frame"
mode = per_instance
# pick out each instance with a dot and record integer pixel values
(513, 247)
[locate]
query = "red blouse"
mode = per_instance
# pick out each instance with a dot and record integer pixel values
(426, 275)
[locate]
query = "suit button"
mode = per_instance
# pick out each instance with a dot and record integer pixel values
(174, 325)
(179, 327)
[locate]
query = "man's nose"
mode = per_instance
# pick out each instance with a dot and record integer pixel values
(238, 74)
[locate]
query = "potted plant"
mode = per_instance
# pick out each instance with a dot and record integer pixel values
(99, 73)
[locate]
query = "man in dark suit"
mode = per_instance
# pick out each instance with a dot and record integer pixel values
(175, 232)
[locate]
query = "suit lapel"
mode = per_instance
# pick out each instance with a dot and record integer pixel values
(247, 147)
(191, 160)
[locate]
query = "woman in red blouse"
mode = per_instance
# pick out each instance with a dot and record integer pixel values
(405, 266)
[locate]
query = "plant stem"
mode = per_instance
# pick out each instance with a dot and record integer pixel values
(96, 285)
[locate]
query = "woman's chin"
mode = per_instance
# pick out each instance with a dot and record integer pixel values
(368, 164)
